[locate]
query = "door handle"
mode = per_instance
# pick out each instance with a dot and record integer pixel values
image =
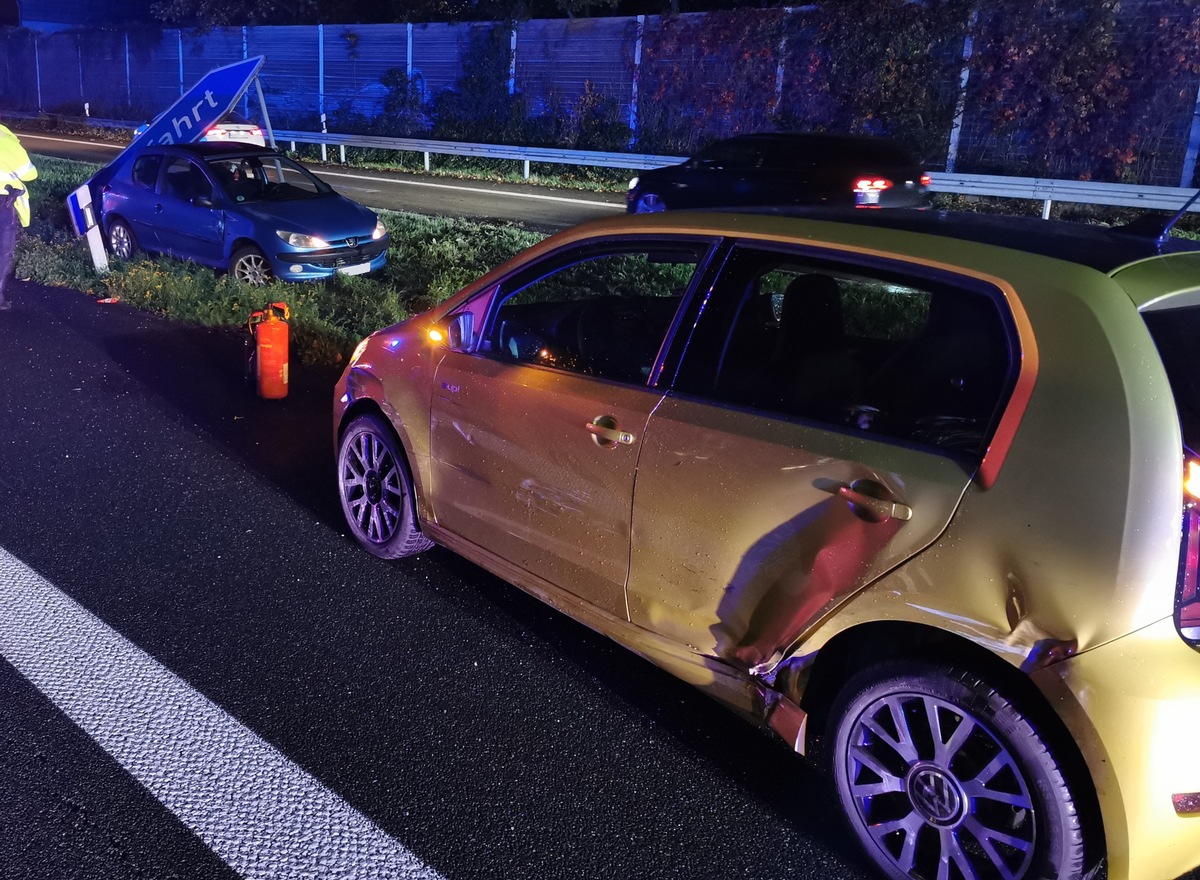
(871, 501)
(605, 432)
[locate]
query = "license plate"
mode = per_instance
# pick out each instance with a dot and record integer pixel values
(360, 269)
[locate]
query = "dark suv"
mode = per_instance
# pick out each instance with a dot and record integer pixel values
(785, 169)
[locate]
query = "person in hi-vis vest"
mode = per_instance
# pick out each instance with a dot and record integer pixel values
(15, 171)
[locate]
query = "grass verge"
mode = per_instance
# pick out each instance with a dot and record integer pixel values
(430, 258)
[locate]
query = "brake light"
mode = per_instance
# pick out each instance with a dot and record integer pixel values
(1187, 593)
(867, 190)
(255, 132)
(926, 180)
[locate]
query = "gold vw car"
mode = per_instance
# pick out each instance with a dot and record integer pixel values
(921, 488)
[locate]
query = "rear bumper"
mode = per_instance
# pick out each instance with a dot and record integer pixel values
(1133, 706)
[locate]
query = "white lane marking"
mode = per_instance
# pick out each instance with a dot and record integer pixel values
(76, 142)
(589, 203)
(263, 815)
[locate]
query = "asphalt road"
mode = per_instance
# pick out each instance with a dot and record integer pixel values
(214, 681)
(538, 207)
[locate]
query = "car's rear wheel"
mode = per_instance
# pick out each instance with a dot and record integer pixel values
(121, 242)
(942, 776)
(649, 203)
(249, 266)
(375, 487)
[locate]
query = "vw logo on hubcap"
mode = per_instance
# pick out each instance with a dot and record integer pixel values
(935, 795)
(374, 488)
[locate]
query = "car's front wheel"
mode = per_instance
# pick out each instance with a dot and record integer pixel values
(649, 203)
(941, 776)
(377, 491)
(249, 266)
(121, 242)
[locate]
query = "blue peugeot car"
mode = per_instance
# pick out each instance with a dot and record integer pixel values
(243, 208)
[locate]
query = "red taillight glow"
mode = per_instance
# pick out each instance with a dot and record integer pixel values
(926, 180)
(872, 184)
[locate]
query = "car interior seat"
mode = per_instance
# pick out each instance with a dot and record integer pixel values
(812, 368)
(949, 377)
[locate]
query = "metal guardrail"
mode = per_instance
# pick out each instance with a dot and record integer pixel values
(1045, 190)
(526, 155)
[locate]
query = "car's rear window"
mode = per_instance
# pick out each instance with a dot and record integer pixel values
(1175, 332)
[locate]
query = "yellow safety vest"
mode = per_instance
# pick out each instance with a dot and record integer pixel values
(15, 168)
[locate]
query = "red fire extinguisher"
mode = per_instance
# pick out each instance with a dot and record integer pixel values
(268, 363)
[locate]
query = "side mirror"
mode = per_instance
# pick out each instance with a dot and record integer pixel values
(461, 331)
(202, 201)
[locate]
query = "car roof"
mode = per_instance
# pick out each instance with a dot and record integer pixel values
(1102, 248)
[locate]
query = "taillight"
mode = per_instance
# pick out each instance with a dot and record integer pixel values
(869, 184)
(1187, 595)
(215, 133)
(867, 190)
(926, 180)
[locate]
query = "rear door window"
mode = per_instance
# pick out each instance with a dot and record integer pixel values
(903, 356)
(145, 171)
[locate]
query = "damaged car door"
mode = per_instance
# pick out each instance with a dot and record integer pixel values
(824, 424)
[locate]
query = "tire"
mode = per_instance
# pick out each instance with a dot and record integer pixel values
(649, 203)
(984, 798)
(249, 266)
(376, 490)
(121, 243)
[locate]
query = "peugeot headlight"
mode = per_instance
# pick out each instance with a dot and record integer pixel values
(300, 240)
(379, 232)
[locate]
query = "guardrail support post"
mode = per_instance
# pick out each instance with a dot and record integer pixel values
(1046, 209)
(426, 161)
(526, 169)
(342, 149)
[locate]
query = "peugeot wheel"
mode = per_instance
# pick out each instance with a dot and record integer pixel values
(941, 776)
(249, 266)
(376, 490)
(121, 242)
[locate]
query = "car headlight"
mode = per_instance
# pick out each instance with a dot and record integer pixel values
(300, 240)
(633, 183)
(379, 232)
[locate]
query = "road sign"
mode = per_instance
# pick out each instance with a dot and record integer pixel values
(204, 104)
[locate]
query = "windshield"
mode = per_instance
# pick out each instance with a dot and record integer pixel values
(1175, 332)
(266, 179)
